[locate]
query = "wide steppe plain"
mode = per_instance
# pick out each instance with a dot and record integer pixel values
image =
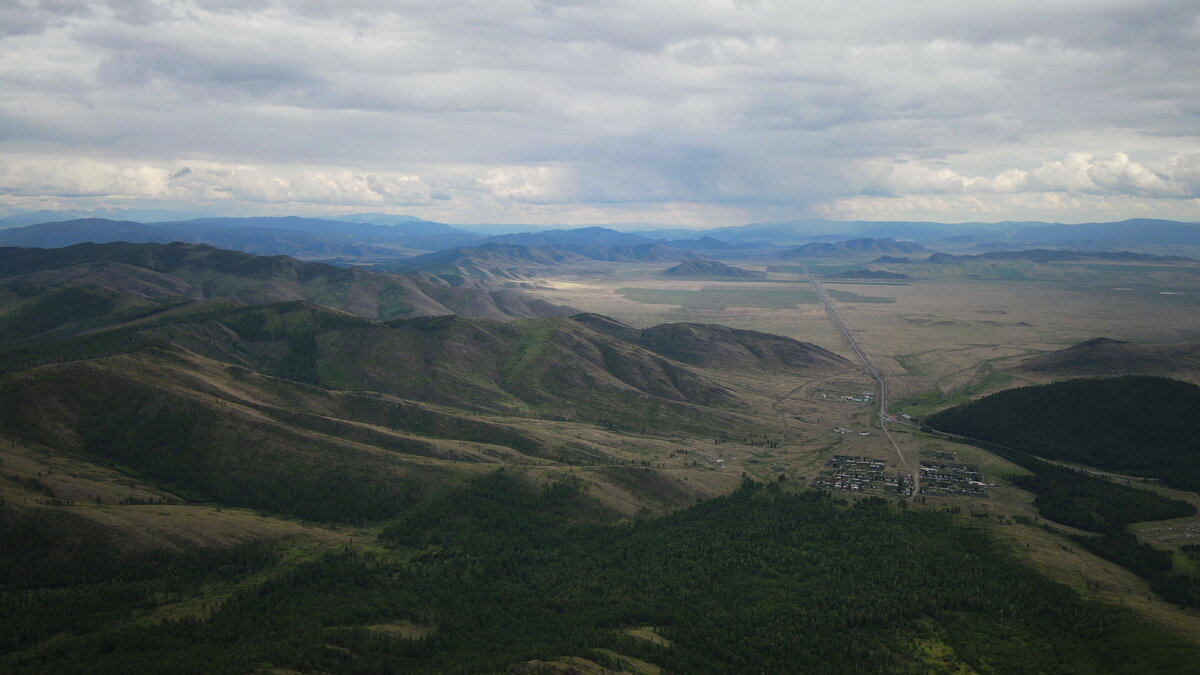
(946, 335)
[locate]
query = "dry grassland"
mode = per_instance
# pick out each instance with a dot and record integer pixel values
(946, 338)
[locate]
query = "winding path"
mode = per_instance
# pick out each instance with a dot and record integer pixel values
(823, 296)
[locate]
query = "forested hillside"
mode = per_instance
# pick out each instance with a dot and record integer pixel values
(496, 577)
(1137, 425)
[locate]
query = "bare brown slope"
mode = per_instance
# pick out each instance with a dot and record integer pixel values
(1103, 356)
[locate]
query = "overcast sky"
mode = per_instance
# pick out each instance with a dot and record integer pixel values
(692, 113)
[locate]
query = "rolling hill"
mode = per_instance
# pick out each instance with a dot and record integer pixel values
(302, 412)
(597, 243)
(214, 376)
(558, 368)
(721, 347)
(501, 260)
(1104, 356)
(701, 268)
(171, 272)
(709, 245)
(491, 261)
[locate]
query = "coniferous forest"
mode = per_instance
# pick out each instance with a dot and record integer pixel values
(496, 574)
(1144, 426)
(1139, 425)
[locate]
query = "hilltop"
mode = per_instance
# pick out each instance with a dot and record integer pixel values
(721, 347)
(1104, 356)
(702, 268)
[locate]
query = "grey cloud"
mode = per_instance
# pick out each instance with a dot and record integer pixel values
(139, 12)
(746, 103)
(23, 18)
(137, 58)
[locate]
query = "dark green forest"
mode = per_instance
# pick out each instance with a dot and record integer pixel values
(1080, 500)
(1154, 565)
(1067, 421)
(1144, 426)
(1089, 503)
(498, 573)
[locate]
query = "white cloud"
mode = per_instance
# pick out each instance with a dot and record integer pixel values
(766, 106)
(1078, 173)
(1051, 206)
(208, 181)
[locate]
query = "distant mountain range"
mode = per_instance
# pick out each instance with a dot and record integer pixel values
(336, 240)
(305, 238)
(706, 244)
(492, 261)
(853, 247)
(867, 274)
(165, 274)
(1036, 255)
(373, 237)
(1104, 235)
(517, 258)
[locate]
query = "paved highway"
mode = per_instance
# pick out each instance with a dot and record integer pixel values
(875, 372)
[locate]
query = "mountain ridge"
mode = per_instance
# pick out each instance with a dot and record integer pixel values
(1105, 356)
(197, 271)
(703, 268)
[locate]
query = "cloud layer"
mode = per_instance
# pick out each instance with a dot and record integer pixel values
(558, 111)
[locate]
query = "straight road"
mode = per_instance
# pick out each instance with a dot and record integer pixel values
(823, 296)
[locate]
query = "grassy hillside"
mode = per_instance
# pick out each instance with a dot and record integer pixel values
(551, 368)
(298, 410)
(313, 412)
